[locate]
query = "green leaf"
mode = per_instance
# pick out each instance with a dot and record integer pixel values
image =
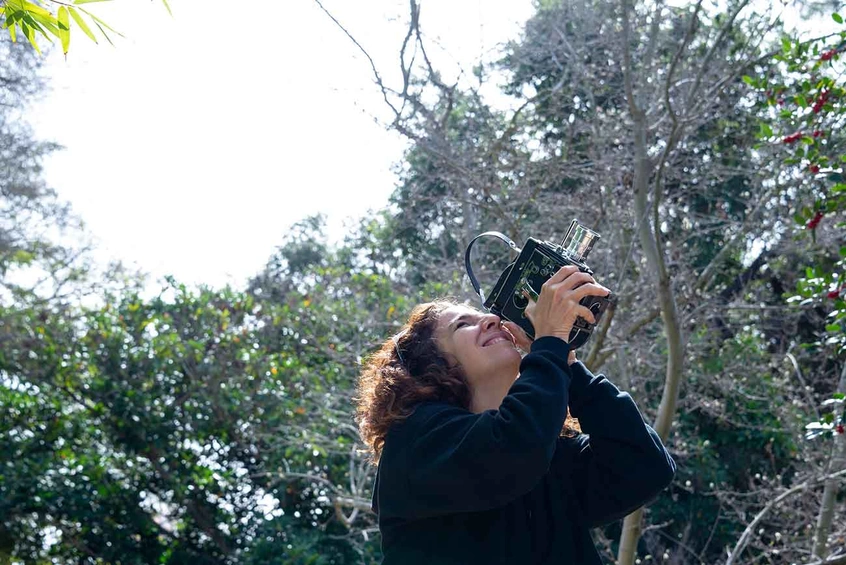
(29, 33)
(785, 44)
(837, 18)
(81, 23)
(101, 24)
(832, 328)
(168, 7)
(749, 80)
(801, 100)
(766, 130)
(35, 9)
(78, 2)
(64, 28)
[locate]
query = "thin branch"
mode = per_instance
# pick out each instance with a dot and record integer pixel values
(717, 42)
(694, 19)
(747, 533)
(603, 357)
(627, 62)
(379, 80)
(836, 560)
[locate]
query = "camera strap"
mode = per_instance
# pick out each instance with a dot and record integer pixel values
(473, 280)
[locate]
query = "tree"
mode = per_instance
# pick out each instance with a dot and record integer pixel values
(636, 119)
(52, 19)
(805, 116)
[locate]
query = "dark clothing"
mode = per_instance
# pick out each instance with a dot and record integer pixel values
(502, 486)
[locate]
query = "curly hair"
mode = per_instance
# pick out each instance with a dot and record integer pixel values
(408, 369)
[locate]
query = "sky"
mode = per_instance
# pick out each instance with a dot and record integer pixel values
(194, 143)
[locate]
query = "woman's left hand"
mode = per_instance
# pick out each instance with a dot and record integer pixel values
(521, 340)
(524, 342)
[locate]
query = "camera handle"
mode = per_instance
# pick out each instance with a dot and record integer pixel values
(473, 280)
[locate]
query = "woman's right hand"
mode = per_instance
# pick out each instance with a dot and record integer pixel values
(557, 306)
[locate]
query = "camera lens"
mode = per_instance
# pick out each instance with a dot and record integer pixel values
(519, 301)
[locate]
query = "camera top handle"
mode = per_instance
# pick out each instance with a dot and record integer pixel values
(473, 280)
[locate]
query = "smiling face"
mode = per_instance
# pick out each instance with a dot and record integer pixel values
(484, 350)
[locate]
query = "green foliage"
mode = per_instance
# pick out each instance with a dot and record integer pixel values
(166, 417)
(51, 20)
(806, 116)
(196, 426)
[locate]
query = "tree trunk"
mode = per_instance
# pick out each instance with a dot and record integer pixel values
(837, 462)
(669, 314)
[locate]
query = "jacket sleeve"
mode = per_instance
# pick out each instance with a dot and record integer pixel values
(619, 463)
(459, 461)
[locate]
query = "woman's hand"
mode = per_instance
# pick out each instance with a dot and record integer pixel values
(557, 306)
(521, 339)
(524, 342)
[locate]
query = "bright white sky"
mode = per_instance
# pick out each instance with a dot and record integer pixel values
(194, 143)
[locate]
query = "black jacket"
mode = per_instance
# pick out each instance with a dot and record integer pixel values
(502, 486)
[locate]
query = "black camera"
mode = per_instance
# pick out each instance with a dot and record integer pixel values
(535, 264)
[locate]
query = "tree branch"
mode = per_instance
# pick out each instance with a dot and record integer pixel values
(747, 533)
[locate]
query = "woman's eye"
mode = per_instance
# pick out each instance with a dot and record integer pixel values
(461, 324)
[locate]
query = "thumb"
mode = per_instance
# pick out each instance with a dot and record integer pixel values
(521, 339)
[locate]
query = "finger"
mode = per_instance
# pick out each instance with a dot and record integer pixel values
(584, 312)
(529, 292)
(590, 289)
(530, 309)
(575, 280)
(521, 339)
(562, 274)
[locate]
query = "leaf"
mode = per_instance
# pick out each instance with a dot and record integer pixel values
(106, 35)
(35, 9)
(29, 33)
(81, 23)
(837, 18)
(78, 2)
(64, 28)
(749, 80)
(101, 25)
(832, 328)
(168, 7)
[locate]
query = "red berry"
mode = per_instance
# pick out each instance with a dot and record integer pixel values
(834, 294)
(815, 221)
(839, 428)
(828, 55)
(819, 133)
(814, 169)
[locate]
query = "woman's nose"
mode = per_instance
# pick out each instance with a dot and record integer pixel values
(490, 321)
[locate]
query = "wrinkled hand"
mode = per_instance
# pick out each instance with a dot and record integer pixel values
(521, 339)
(557, 306)
(524, 342)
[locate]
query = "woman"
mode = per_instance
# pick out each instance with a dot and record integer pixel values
(473, 464)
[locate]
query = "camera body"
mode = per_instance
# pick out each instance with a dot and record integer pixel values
(536, 263)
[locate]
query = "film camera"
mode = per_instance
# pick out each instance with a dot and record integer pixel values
(536, 263)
